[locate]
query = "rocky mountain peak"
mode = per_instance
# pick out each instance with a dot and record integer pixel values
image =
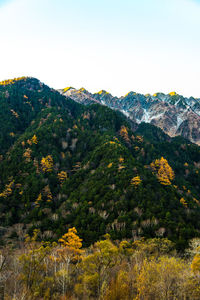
(173, 113)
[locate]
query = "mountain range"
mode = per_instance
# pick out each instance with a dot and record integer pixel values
(64, 164)
(174, 114)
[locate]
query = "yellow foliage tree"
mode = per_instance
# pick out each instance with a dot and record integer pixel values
(124, 133)
(33, 267)
(161, 279)
(95, 268)
(70, 252)
(34, 139)
(182, 201)
(27, 154)
(12, 81)
(38, 200)
(47, 163)
(121, 159)
(136, 181)
(139, 138)
(195, 266)
(72, 243)
(119, 287)
(163, 171)
(8, 190)
(62, 176)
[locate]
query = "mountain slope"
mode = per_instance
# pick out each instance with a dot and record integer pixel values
(173, 113)
(89, 167)
(20, 102)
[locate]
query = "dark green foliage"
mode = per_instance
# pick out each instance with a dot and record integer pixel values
(97, 196)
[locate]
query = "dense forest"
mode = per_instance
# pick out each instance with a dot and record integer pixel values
(143, 270)
(92, 205)
(63, 165)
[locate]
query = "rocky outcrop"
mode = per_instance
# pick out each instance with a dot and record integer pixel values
(173, 113)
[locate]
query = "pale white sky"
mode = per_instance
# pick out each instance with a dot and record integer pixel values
(118, 45)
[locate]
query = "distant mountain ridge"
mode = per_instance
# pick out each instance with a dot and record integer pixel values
(173, 113)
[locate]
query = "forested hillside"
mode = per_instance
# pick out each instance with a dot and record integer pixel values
(64, 164)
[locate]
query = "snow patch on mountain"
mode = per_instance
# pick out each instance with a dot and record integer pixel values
(179, 121)
(173, 113)
(127, 114)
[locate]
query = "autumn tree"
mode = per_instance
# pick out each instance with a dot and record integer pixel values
(47, 164)
(34, 139)
(70, 253)
(96, 268)
(183, 202)
(195, 266)
(163, 279)
(62, 176)
(38, 200)
(27, 154)
(8, 189)
(33, 266)
(121, 159)
(47, 193)
(120, 287)
(163, 171)
(194, 247)
(135, 181)
(193, 283)
(12, 81)
(124, 133)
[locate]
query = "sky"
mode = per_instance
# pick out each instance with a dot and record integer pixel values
(145, 46)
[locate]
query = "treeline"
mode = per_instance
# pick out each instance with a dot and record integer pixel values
(143, 269)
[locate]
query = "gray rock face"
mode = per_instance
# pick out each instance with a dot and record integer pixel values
(173, 113)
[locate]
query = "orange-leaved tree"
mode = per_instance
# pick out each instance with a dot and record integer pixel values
(47, 163)
(34, 139)
(71, 242)
(163, 171)
(62, 176)
(195, 266)
(135, 181)
(69, 254)
(124, 133)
